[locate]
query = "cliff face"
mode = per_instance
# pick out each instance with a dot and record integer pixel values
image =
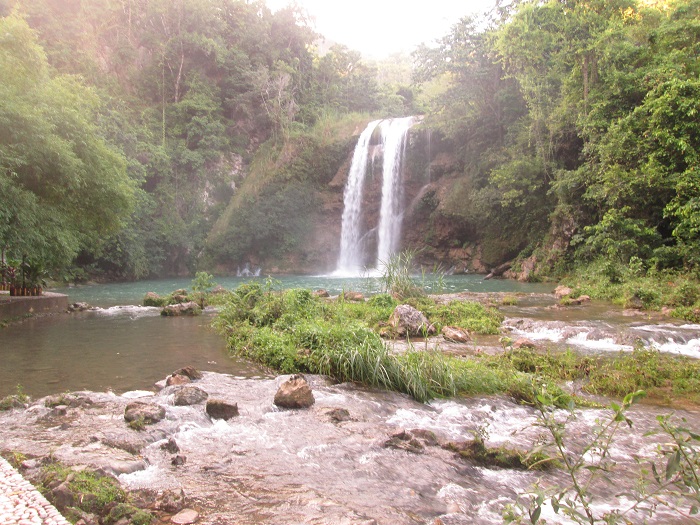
(286, 215)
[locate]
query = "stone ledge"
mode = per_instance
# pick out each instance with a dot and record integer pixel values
(49, 302)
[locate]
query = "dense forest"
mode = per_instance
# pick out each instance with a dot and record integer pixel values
(145, 137)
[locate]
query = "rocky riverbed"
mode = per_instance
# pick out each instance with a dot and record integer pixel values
(355, 456)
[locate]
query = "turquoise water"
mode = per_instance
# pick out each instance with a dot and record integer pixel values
(123, 348)
(105, 295)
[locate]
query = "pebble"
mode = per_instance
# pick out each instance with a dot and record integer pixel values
(21, 503)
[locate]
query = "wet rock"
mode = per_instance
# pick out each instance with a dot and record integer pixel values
(69, 400)
(188, 308)
(189, 395)
(321, 293)
(524, 342)
(12, 401)
(498, 271)
(171, 446)
(171, 501)
(634, 303)
(85, 518)
(190, 372)
(115, 467)
(131, 442)
(178, 460)
(562, 291)
(59, 410)
(584, 298)
(455, 334)
(185, 517)
(153, 299)
(428, 437)
(62, 496)
(353, 296)
(78, 307)
(406, 321)
(294, 393)
(177, 379)
(338, 415)
(148, 413)
(218, 409)
(404, 441)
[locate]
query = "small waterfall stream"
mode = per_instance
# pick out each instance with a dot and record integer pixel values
(353, 254)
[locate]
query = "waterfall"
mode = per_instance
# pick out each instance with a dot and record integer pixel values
(351, 253)
(391, 212)
(352, 248)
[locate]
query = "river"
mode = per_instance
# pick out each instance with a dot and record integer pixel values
(322, 465)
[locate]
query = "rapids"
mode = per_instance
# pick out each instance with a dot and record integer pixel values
(310, 466)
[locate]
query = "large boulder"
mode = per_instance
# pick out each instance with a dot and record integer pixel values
(148, 413)
(406, 321)
(294, 393)
(189, 395)
(188, 308)
(218, 409)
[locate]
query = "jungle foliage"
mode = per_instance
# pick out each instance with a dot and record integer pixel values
(576, 129)
(126, 127)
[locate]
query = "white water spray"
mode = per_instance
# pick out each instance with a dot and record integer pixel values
(351, 253)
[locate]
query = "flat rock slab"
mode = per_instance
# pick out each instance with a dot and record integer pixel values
(185, 517)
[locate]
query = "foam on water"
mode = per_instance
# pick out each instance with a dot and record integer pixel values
(133, 311)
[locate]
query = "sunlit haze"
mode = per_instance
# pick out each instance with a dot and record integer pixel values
(378, 28)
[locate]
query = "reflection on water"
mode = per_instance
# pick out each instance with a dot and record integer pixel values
(120, 348)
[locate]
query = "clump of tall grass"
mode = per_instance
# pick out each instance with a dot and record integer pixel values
(293, 331)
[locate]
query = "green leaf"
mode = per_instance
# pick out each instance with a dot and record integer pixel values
(535, 515)
(673, 464)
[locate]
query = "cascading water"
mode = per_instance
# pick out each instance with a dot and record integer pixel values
(393, 145)
(351, 256)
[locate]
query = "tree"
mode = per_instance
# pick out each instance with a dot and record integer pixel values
(62, 187)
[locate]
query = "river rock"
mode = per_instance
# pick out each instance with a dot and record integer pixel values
(78, 307)
(178, 460)
(189, 395)
(147, 412)
(185, 517)
(171, 446)
(219, 409)
(177, 379)
(188, 308)
(524, 342)
(404, 441)
(562, 291)
(321, 293)
(153, 299)
(294, 393)
(353, 296)
(62, 496)
(171, 501)
(406, 321)
(190, 372)
(455, 334)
